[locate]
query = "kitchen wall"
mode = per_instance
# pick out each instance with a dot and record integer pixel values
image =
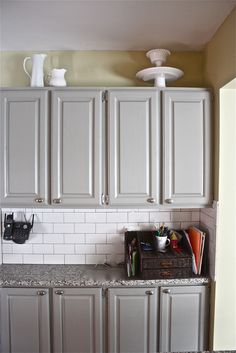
(220, 68)
(101, 68)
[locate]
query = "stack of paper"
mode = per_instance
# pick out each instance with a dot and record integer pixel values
(196, 239)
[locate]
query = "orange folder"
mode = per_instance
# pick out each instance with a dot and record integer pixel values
(195, 237)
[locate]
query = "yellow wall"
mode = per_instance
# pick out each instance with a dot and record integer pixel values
(101, 68)
(220, 68)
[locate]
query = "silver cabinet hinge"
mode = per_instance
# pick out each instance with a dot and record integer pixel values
(107, 199)
(104, 96)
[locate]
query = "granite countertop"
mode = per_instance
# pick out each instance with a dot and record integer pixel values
(80, 276)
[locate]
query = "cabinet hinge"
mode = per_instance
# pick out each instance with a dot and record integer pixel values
(104, 96)
(107, 199)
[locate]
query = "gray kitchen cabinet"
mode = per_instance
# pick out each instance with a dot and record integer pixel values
(24, 147)
(77, 320)
(133, 147)
(132, 320)
(183, 318)
(186, 147)
(25, 320)
(76, 157)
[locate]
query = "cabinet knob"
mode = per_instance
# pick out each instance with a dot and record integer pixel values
(57, 201)
(41, 292)
(39, 200)
(149, 292)
(169, 201)
(151, 200)
(59, 292)
(166, 291)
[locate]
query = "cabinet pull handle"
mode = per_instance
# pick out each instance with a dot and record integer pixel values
(39, 200)
(166, 291)
(57, 201)
(149, 292)
(103, 199)
(59, 292)
(166, 263)
(41, 292)
(169, 201)
(151, 200)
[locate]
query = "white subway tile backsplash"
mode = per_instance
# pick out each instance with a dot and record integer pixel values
(94, 236)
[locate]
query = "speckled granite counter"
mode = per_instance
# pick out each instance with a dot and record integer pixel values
(79, 276)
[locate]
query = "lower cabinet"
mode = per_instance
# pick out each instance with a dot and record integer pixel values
(77, 320)
(132, 320)
(82, 320)
(183, 318)
(25, 324)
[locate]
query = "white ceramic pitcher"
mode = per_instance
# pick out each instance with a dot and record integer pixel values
(57, 78)
(36, 78)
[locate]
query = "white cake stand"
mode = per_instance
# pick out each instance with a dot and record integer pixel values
(160, 75)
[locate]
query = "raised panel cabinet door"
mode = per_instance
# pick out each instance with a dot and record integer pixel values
(77, 320)
(76, 147)
(24, 147)
(183, 318)
(132, 320)
(25, 326)
(133, 147)
(187, 148)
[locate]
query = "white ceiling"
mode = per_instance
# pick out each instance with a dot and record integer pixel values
(110, 24)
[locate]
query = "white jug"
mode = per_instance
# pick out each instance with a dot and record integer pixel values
(57, 78)
(36, 79)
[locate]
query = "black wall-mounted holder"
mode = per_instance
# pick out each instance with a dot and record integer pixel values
(17, 231)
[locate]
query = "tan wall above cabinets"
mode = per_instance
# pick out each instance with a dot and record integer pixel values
(101, 68)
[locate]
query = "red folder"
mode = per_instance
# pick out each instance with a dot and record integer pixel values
(195, 237)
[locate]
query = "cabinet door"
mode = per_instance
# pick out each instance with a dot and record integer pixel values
(134, 147)
(183, 318)
(25, 320)
(187, 148)
(24, 148)
(77, 320)
(132, 320)
(76, 147)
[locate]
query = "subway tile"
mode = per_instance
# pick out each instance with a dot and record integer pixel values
(35, 238)
(52, 217)
(85, 210)
(63, 228)
(38, 216)
(7, 248)
(115, 238)
(22, 249)
(74, 259)
(107, 210)
(138, 217)
(160, 217)
(115, 259)
(109, 248)
(53, 238)
(42, 249)
(61, 210)
(77, 217)
(32, 259)
(95, 259)
(95, 217)
(195, 216)
(74, 238)
(42, 228)
(85, 228)
(181, 216)
(12, 259)
(117, 217)
(106, 228)
(54, 259)
(64, 249)
(85, 249)
(96, 238)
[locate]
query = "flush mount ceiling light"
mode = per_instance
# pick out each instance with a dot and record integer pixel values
(160, 74)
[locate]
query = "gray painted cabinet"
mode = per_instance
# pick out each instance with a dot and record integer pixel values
(24, 147)
(132, 320)
(186, 147)
(76, 147)
(183, 318)
(25, 320)
(133, 147)
(77, 320)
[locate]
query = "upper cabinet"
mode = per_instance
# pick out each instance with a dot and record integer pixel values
(76, 147)
(24, 147)
(136, 147)
(186, 148)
